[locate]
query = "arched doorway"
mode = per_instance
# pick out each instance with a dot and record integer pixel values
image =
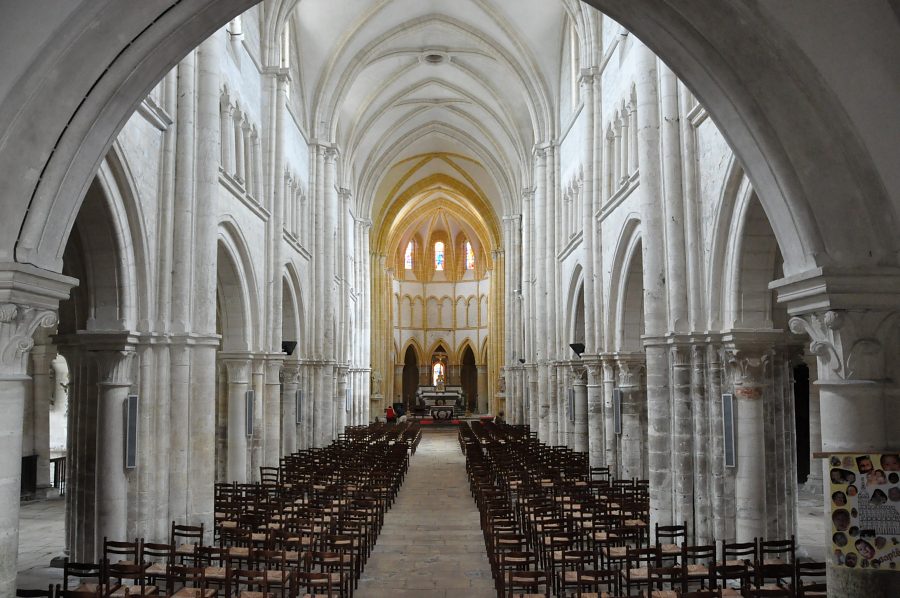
(469, 379)
(410, 377)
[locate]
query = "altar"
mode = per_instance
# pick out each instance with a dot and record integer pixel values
(449, 396)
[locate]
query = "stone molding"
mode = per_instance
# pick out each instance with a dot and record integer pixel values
(237, 369)
(17, 326)
(748, 368)
(850, 344)
(116, 367)
(594, 366)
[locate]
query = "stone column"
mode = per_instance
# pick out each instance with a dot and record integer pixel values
(340, 403)
(290, 383)
(580, 427)
(748, 365)
(483, 389)
(610, 445)
(534, 405)
(42, 390)
(554, 425)
(854, 348)
(18, 323)
(701, 446)
(596, 453)
(655, 291)
(633, 439)
(682, 436)
(116, 378)
(238, 370)
(272, 412)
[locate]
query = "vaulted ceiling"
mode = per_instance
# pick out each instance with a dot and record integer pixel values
(392, 81)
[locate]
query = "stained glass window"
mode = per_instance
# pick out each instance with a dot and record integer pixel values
(437, 373)
(407, 260)
(439, 256)
(470, 257)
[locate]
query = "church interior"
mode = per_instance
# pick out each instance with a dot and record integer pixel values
(428, 298)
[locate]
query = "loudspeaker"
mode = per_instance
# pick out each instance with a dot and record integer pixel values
(570, 404)
(347, 401)
(728, 429)
(298, 404)
(249, 399)
(288, 347)
(617, 410)
(131, 431)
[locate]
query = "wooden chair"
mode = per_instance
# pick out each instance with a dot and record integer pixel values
(314, 584)
(116, 574)
(186, 538)
(707, 593)
(76, 574)
(811, 580)
(246, 583)
(664, 582)
(527, 584)
(158, 557)
(697, 562)
(183, 581)
(594, 583)
(510, 561)
(669, 539)
(638, 564)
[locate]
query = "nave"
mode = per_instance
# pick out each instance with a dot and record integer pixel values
(431, 552)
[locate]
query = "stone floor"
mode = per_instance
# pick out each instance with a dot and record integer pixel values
(431, 544)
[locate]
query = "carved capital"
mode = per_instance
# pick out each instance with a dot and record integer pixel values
(290, 373)
(331, 154)
(631, 372)
(594, 367)
(576, 372)
(681, 356)
(849, 344)
(17, 326)
(115, 367)
(748, 370)
(238, 370)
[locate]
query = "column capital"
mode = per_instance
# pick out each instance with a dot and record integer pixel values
(849, 344)
(18, 323)
(274, 363)
(576, 371)
(594, 366)
(631, 368)
(237, 367)
(115, 367)
(748, 368)
(681, 355)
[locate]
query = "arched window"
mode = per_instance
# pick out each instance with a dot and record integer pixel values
(407, 259)
(437, 374)
(470, 257)
(439, 256)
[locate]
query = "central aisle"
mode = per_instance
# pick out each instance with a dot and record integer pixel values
(431, 543)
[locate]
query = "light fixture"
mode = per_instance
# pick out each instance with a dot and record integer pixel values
(522, 360)
(288, 347)
(578, 348)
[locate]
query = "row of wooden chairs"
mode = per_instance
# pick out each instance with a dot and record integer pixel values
(587, 532)
(305, 528)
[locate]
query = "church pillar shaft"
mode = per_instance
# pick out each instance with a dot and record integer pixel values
(17, 325)
(655, 292)
(238, 371)
(633, 439)
(41, 394)
(701, 446)
(272, 413)
(682, 436)
(112, 491)
(587, 211)
(610, 446)
(857, 400)
(554, 425)
(748, 366)
(595, 412)
(580, 426)
(290, 374)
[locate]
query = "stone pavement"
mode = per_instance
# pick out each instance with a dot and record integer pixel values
(431, 543)
(41, 539)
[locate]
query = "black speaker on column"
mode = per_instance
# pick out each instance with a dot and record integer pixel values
(617, 410)
(131, 431)
(728, 429)
(249, 398)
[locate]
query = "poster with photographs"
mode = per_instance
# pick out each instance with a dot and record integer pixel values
(865, 510)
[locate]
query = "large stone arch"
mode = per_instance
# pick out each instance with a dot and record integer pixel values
(237, 298)
(814, 149)
(626, 291)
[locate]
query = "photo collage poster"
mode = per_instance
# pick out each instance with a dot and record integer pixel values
(865, 510)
